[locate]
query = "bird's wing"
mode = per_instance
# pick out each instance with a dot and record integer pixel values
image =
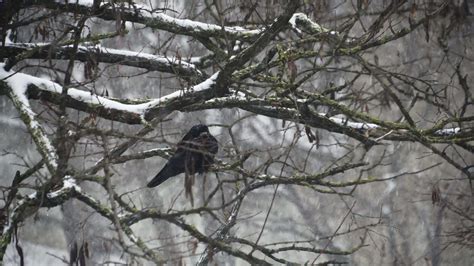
(206, 144)
(174, 166)
(212, 145)
(207, 149)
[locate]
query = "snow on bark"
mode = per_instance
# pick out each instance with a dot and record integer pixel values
(19, 85)
(313, 26)
(239, 99)
(52, 199)
(156, 18)
(188, 24)
(140, 55)
(205, 85)
(364, 125)
(80, 2)
(113, 56)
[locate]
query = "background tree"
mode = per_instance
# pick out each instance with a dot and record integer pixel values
(345, 131)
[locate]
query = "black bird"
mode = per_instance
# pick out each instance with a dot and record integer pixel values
(195, 154)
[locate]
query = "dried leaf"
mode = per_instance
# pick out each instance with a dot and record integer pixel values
(189, 182)
(317, 139)
(309, 134)
(413, 9)
(86, 249)
(412, 15)
(426, 25)
(73, 254)
(82, 257)
(194, 244)
(19, 249)
(435, 194)
(178, 57)
(292, 70)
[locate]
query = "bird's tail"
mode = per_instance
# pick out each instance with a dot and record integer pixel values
(165, 173)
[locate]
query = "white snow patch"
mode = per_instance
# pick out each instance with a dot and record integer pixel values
(386, 209)
(448, 131)
(7, 38)
(345, 122)
(300, 16)
(80, 2)
(391, 185)
(195, 59)
(292, 21)
(69, 183)
(238, 96)
(237, 46)
(133, 238)
(31, 196)
(196, 25)
(263, 176)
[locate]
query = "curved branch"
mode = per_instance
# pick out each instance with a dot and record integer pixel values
(21, 103)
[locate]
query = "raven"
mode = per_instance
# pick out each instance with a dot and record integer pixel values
(195, 154)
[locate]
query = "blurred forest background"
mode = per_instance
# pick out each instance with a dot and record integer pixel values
(345, 131)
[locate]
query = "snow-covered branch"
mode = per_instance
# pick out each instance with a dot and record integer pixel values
(354, 126)
(28, 206)
(16, 88)
(150, 17)
(34, 87)
(100, 54)
(301, 22)
(157, 19)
